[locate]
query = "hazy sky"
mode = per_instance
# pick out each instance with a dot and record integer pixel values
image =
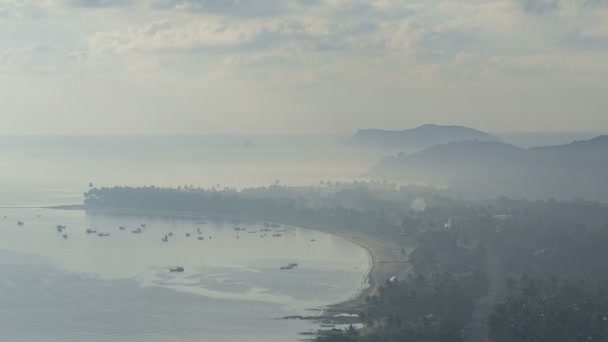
(200, 66)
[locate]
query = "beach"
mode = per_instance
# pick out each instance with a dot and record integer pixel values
(387, 261)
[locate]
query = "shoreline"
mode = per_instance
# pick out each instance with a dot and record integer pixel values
(387, 262)
(386, 258)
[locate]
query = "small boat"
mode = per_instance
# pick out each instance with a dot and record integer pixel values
(201, 238)
(265, 230)
(122, 228)
(65, 236)
(239, 229)
(20, 223)
(252, 231)
(165, 238)
(312, 240)
(60, 229)
(91, 231)
(277, 235)
(287, 267)
(187, 234)
(136, 231)
(143, 225)
(176, 269)
(103, 234)
(170, 234)
(293, 264)
(61, 226)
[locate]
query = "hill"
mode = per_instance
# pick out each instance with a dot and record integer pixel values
(420, 137)
(488, 169)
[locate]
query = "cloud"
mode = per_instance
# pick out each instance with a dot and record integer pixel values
(98, 3)
(163, 35)
(21, 9)
(541, 7)
(246, 8)
(212, 32)
(40, 58)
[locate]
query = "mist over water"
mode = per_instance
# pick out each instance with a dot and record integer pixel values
(41, 170)
(119, 288)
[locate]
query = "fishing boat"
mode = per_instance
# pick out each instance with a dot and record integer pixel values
(290, 266)
(176, 269)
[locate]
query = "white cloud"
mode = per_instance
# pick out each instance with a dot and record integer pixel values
(21, 9)
(345, 57)
(40, 58)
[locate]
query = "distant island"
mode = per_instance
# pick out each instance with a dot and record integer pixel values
(419, 137)
(481, 169)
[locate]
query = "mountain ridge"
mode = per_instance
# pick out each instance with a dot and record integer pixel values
(487, 169)
(422, 136)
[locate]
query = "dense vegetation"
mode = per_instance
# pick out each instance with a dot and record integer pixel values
(502, 270)
(355, 205)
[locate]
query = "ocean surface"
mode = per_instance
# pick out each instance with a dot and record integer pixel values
(85, 287)
(119, 288)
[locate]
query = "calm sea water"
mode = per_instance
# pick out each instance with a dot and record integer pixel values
(118, 288)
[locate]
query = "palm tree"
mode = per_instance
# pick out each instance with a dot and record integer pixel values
(351, 331)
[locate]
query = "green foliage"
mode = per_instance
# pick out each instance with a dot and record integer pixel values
(536, 310)
(546, 239)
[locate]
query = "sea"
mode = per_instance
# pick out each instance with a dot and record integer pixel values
(78, 286)
(86, 287)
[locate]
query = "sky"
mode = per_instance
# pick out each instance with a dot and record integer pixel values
(301, 66)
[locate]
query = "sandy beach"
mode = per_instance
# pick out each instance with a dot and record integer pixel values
(387, 261)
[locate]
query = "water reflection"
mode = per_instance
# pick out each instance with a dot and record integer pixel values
(97, 285)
